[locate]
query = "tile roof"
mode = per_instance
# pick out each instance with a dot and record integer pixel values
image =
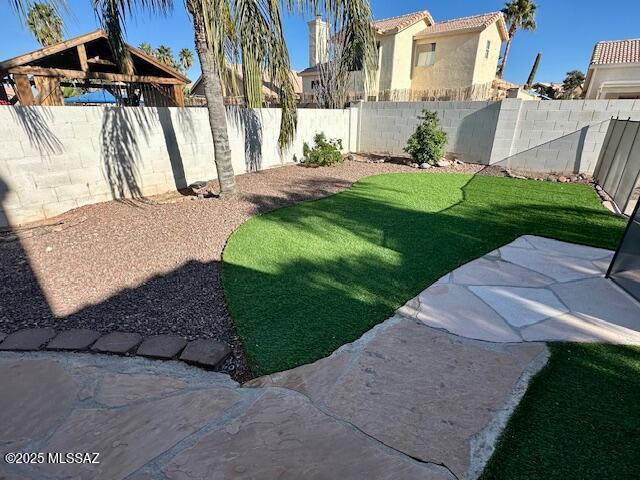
(616, 51)
(396, 24)
(467, 23)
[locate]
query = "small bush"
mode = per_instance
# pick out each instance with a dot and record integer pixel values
(427, 143)
(324, 153)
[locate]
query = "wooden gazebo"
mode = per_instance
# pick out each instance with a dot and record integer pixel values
(88, 62)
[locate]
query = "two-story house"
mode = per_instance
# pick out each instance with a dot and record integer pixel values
(420, 58)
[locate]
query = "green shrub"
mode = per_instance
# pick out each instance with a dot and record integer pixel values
(324, 153)
(427, 143)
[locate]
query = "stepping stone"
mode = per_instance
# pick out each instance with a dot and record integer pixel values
(456, 310)
(28, 339)
(601, 299)
(558, 247)
(117, 342)
(496, 272)
(561, 268)
(74, 339)
(162, 346)
(206, 353)
(576, 327)
(521, 306)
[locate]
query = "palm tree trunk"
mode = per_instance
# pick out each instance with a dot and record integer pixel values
(217, 111)
(512, 32)
(504, 58)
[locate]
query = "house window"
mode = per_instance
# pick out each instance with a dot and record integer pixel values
(425, 54)
(486, 52)
(315, 84)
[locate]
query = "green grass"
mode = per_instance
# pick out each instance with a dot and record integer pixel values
(578, 420)
(301, 281)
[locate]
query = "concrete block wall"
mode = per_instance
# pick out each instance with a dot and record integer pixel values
(54, 159)
(559, 136)
(470, 126)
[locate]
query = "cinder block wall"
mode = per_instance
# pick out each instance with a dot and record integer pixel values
(54, 159)
(470, 126)
(559, 136)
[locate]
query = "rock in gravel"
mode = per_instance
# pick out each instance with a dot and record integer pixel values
(28, 339)
(443, 162)
(425, 166)
(74, 339)
(117, 342)
(414, 165)
(206, 353)
(162, 346)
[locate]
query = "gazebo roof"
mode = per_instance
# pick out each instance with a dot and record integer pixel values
(89, 57)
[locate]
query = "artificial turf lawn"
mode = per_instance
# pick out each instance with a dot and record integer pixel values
(578, 420)
(303, 280)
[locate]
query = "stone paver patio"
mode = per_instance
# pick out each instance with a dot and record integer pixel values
(533, 289)
(405, 401)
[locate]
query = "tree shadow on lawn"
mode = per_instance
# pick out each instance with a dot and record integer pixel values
(304, 280)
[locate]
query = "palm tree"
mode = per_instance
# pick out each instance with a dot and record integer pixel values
(146, 48)
(247, 32)
(164, 55)
(519, 14)
(186, 58)
(45, 23)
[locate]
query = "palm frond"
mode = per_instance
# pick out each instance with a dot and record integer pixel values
(112, 15)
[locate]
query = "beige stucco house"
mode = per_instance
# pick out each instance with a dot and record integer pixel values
(419, 58)
(614, 70)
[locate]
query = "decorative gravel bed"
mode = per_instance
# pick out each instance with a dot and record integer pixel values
(153, 266)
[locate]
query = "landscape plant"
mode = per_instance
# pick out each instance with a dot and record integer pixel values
(426, 144)
(325, 152)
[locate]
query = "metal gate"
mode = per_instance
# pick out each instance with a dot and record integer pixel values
(618, 168)
(625, 267)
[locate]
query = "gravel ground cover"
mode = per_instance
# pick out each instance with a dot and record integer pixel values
(150, 266)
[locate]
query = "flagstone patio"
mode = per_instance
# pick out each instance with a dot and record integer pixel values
(424, 395)
(533, 289)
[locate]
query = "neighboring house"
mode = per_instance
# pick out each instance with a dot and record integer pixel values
(420, 58)
(614, 70)
(236, 97)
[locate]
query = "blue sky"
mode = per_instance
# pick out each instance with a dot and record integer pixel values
(567, 30)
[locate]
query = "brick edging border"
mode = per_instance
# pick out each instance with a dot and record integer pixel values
(205, 353)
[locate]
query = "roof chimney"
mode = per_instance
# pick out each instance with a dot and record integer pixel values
(318, 38)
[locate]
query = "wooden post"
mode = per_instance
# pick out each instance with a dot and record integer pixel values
(178, 95)
(3, 93)
(23, 89)
(82, 56)
(49, 92)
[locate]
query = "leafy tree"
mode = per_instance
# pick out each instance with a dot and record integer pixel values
(572, 84)
(45, 23)
(238, 31)
(186, 59)
(426, 144)
(518, 14)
